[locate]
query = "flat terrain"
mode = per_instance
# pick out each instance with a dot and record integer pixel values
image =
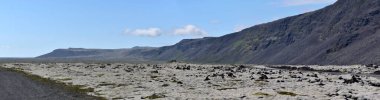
(200, 81)
(16, 86)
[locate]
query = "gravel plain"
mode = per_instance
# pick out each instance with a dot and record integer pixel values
(201, 81)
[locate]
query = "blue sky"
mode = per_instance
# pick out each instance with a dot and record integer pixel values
(29, 28)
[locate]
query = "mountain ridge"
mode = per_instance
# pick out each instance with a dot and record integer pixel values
(346, 32)
(90, 53)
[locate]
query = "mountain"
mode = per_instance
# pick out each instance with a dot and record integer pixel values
(346, 32)
(131, 53)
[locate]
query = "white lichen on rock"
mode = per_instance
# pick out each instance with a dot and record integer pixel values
(182, 81)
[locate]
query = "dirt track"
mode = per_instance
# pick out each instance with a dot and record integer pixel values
(15, 86)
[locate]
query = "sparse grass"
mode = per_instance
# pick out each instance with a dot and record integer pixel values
(174, 80)
(154, 71)
(141, 87)
(97, 93)
(238, 80)
(287, 93)
(225, 89)
(65, 79)
(117, 98)
(154, 96)
(100, 75)
(17, 69)
(119, 85)
(215, 85)
(107, 84)
(79, 88)
(262, 94)
(50, 66)
(153, 77)
(165, 85)
(261, 83)
(67, 87)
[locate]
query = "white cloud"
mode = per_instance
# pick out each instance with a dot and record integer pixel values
(305, 2)
(149, 32)
(190, 30)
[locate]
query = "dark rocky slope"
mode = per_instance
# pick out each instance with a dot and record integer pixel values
(346, 32)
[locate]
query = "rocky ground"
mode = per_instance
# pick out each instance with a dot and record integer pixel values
(196, 81)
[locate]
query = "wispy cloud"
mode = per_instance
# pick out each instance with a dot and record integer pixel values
(190, 30)
(305, 2)
(149, 32)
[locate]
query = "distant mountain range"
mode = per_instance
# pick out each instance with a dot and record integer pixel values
(347, 32)
(99, 54)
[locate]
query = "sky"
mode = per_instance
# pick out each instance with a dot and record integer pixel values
(29, 28)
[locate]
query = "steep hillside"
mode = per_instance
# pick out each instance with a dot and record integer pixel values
(346, 32)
